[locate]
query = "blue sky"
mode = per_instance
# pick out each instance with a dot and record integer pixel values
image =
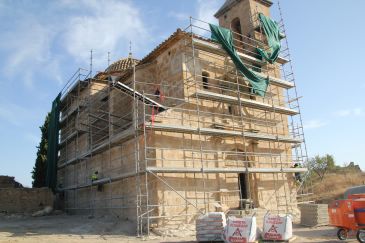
(44, 42)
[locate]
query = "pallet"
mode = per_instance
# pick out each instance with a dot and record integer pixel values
(260, 241)
(270, 241)
(256, 241)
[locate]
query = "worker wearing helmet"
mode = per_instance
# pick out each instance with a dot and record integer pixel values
(94, 176)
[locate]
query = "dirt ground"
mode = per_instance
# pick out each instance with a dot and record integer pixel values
(78, 229)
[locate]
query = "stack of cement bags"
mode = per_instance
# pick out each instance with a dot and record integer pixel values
(314, 214)
(210, 226)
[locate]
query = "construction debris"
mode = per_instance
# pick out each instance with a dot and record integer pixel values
(46, 211)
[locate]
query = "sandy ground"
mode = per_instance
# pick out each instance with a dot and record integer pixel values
(78, 229)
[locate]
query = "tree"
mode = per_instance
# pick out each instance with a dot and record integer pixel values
(40, 168)
(320, 165)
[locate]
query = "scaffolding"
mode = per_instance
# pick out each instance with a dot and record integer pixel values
(147, 146)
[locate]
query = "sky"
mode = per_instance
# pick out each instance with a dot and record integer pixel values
(44, 42)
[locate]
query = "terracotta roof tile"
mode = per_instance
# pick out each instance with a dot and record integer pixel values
(122, 65)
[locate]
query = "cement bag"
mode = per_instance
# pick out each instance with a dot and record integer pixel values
(240, 230)
(210, 226)
(277, 227)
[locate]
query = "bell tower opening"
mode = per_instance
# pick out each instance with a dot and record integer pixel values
(237, 31)
(237, 14)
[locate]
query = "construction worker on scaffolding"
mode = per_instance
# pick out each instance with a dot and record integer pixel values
(298, 175)
(94, 176)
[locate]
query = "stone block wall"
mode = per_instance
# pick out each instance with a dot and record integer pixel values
(24, 200)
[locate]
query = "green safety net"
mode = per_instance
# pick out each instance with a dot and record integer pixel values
(224, 37)
(52, 149)
(273, 36)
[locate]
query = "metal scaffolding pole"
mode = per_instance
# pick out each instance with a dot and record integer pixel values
(221, 129)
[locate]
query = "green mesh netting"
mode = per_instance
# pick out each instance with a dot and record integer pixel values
(273, 36)
(52, 150)
(224, 37)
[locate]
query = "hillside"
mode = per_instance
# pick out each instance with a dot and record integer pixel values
(334, 185)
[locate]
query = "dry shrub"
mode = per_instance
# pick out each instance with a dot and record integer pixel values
(334, 185)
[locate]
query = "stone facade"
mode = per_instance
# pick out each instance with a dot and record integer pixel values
(161, 168)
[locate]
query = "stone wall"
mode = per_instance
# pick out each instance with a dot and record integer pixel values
(24, 200)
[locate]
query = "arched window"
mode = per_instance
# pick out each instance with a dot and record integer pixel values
(236, 27)
(205, 79)
(230, 109)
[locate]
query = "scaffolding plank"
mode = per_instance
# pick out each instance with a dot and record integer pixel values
(115, 178)
(282, 60)
(70, 137)
(187, 170)
(220, 132)
(217, 49)
(245, 102)
(118, 138)
(100, 181)
(224, 170)
(306, 202)
(73, 160)
(276, 81)
(68, 114)
(129, 91)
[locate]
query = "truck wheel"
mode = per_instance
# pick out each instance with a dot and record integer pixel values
(360, 235)
(342, 234)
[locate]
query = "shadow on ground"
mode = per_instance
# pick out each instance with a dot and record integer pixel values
(322, 234)
(19, 225)
(78, 228)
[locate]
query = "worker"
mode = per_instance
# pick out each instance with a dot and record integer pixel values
(297, 175)
(159, 96)
(157, 93)
(94, 176)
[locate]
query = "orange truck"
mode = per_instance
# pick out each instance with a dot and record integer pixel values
(348, 215)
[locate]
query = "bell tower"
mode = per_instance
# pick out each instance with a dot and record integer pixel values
(237, 14)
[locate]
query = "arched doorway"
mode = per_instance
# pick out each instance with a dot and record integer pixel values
(239, 159)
